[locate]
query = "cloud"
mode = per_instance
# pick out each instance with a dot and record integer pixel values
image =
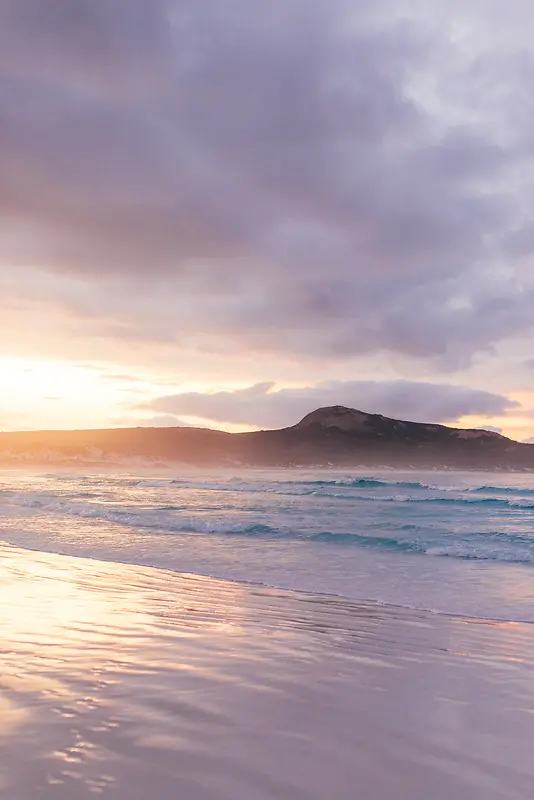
(288, 178)
(162, 421)
(265, 406)
(119, 377)
(156, 421)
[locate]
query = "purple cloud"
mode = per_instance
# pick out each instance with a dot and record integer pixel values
(293, 178)
(265, 406)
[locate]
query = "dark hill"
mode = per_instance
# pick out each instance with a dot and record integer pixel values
(335, 436)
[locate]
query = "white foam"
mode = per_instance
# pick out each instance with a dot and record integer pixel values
(375, 544)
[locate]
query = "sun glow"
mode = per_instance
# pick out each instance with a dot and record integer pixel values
(38, 394)
(517, 423)
(46, 394)
(59, 395)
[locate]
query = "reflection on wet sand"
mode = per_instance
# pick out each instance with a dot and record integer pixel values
(131, 683)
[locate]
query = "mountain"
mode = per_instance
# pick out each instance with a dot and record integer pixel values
(334, 436)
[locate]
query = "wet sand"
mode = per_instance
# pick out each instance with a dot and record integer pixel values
(133, 683)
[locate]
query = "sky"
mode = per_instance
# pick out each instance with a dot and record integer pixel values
(229, 213)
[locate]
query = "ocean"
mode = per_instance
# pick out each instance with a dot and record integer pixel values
(251, 635)
(445, 542)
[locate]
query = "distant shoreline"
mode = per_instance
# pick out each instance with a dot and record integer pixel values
(337, 438)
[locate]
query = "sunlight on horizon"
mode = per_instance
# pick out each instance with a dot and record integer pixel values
(45, 394)
(35, 393)
(41, 394)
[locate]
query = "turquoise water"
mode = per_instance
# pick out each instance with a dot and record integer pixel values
(459, 543)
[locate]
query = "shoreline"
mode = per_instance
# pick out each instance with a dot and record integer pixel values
(133, 681)
(257, 585)
(162, 467)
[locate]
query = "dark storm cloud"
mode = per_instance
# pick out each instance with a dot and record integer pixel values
(263, 406)
(308, 178)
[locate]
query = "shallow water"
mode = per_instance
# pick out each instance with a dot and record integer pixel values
(458, 543)
(130, 683)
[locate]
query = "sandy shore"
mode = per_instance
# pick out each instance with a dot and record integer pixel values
(133, 683)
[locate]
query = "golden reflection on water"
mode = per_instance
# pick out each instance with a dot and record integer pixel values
(135, 683)
(85, 646)
(10, 716)
(62, 617)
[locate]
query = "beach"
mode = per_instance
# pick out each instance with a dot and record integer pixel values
(130, 682)
(266, 400)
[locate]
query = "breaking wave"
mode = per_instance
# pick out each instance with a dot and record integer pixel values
(481, 522)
